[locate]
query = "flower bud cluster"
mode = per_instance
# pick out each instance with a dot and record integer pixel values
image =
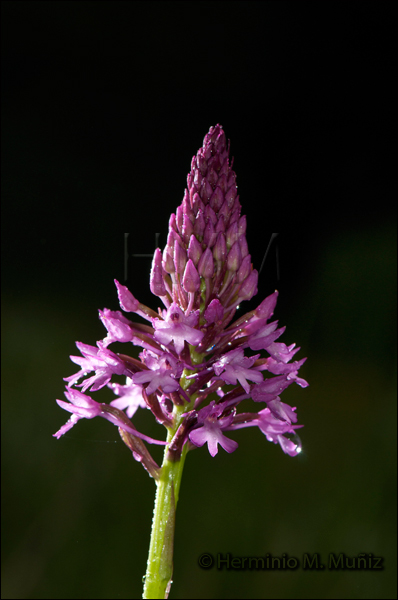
(206, 256)
(190, 351)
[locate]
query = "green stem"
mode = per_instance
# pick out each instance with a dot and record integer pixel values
(158, 578)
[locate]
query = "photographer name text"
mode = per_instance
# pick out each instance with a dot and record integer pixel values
(308, 562)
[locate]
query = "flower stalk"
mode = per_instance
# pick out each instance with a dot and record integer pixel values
(191, 349)
(158, 578)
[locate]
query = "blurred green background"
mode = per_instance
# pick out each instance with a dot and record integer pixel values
(103, 106)
(77, 512)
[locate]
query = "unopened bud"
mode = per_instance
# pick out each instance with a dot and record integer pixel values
(206, 264)
(180, 258)
(156, 282)
(248, 288)
(234, 258)
(191, 279)
(194, 250)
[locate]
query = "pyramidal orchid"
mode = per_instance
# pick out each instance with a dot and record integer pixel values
(196, 364)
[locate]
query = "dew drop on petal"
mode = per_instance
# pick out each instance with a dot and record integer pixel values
(168, 589)
(297, 441)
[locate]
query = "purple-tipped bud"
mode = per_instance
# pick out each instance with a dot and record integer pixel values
(225, 211)
(210, 215)
(220, 142)
(187, 228)
(208, 149)
(220, 248)
(197, 204)
(194, 250)
(197, 178)
(156, 282)
(265, 310)
(213, 164)
(126, 299)
(211, 179)
(248, 289)
(191, 279)
(214, 312)
(180, 258)
(167, 262)
(222, 183)
(191, 187)
(170, 241)
(224, 162)
(173, 239)
(234, 218)
(243, 246)
(172, 222)
(200, 224)
(179, 217)
(206, 264)
(237, 205)
(231, 194)
(201, 163)
(234, 258)
(211, 136)
(242, 226)
(244, 269)
(210, 235)
(231, 178)
(220, 227)
(232, 235)
(217, 199)
(186, 206)
(206, 191)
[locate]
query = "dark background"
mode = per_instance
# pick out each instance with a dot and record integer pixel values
(104, 104)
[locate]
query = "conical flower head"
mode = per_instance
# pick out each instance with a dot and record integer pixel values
(206, 256)
(191, 350)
